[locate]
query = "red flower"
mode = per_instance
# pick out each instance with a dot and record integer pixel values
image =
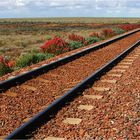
(128, 27)
(1, 59)
(75, 37)
(95, 34)
(11, 63)
(7, 63)
(108, 32)
(55, 45)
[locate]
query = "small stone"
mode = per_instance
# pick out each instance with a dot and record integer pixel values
(112, 122)
(82, 132)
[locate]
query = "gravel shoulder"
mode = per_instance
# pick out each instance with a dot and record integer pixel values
(115, 115)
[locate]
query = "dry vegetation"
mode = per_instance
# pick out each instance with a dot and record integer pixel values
(23, 35)
(27, 36)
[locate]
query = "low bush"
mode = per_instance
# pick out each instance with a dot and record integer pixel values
(108, 32)
(31, 58)
(95, 34)
(24, 60)
(41, 56)
(77, 38)
(55, 46)
(92, 39)
(75, 45)
(118, 30)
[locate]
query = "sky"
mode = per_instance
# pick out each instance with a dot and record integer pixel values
(69, 8)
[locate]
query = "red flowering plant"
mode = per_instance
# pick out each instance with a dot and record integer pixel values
(75, 37)
(7, 62)
(6, 65)
(95, 34)
(1, 59)
(128, 27)
(108, 32)
(55, 46)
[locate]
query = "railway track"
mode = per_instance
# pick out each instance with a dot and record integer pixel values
(108, 109)
(34, 95)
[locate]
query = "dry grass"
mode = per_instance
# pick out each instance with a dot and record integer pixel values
(23, 35)
(76, 20)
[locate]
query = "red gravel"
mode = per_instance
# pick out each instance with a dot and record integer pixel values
(115, 116)
(27, 103)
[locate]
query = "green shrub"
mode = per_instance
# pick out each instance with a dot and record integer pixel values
(24, 60)
(4, 69)
(48, 37)
(118, 30)
(92, 39)
(31, 58)
(75, 45)
(41, 56)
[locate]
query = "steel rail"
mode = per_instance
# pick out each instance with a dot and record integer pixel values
(6, 84)
(52, 109)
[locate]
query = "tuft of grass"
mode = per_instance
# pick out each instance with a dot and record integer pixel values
(24, 60)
